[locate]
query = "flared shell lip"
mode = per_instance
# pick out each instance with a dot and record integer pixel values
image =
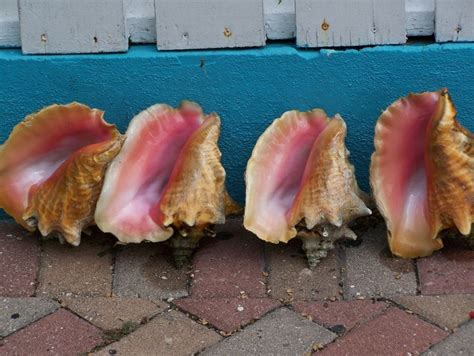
(250, 224)
(28, 118)
(11, 142)
(252, 160)
(165, 230)
(376, 181)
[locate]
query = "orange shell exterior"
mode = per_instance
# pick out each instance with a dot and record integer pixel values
(451, 193)
(66, 202)
(195, 194)
(331, 193)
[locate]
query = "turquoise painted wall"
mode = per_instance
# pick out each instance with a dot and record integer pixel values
(248, 88)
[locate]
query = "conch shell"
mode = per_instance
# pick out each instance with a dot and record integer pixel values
(167, 179)
(52, 166)
(300, 183)
(422, 173)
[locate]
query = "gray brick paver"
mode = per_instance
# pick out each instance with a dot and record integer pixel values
(281, 332)
(16, 313)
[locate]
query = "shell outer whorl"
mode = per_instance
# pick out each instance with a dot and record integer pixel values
(185, 241)
(423, 162)
(65, 203)
(323, 199)
(51, 168)
(319, 241)
(451, 161)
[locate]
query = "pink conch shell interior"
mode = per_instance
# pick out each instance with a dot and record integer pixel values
(275, 172)
(39, 145)
(400, 173)
(135, 182)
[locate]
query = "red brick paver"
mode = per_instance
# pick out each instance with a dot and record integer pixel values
(225, 268)
(393, 333)
(146, 270)
(227, 314)
(345, 313)
(450, 271)
(61, 333)
(19, 261)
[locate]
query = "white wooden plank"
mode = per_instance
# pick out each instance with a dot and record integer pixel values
(420, 17)
(141, 23)
(280, 19)
(9, 24)
(183, 24)
(348, 23)
(454, 20)
(71, 26)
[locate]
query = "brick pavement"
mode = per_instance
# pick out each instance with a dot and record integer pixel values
(238, 296)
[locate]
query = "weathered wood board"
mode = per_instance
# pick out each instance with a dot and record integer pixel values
(183, 24)
(9, 24)
(454, 20)
(342, 23)
(140, 20)
(420, 17)
(71, 26)
(280, 19)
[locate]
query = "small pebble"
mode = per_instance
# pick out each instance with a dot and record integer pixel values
(240, 308)
(317, 346)
(306, 272)
(338, 329)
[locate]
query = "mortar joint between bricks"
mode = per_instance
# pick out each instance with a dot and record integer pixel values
(342, 265)
(266, 271)
(417, 277)
(196, 319)
(394, 304)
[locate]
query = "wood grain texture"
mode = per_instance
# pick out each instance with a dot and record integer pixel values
(420, 17)
(141, 24)
(342, 23)
(280, 19)
(454, 20)
(9, 24)
(279, 15)
(182, 24)
(70, 26)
